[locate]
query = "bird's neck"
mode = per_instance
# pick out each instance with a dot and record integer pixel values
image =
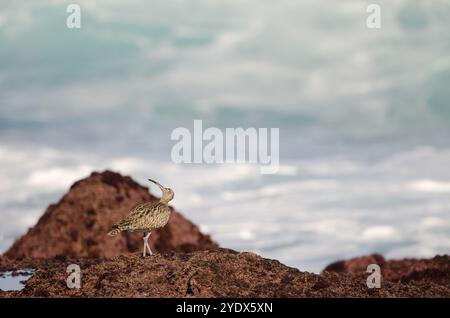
(164, 200)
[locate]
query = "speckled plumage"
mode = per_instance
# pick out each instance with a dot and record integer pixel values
(146, 217)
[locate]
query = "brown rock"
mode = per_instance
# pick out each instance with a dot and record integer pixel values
(214, 273)
(355, 265)
(435, 270)
(77, 225)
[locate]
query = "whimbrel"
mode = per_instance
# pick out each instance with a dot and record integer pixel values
(146, 217)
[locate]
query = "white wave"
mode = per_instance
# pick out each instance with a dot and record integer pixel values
(430, 186)
(57, 178)
(380, 233)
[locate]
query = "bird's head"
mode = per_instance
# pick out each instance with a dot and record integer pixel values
(167, 193)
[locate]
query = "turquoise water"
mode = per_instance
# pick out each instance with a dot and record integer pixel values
(364, 117)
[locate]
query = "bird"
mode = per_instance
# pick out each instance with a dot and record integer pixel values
(146, 217)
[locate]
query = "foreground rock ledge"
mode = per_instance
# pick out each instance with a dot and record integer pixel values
(214, 273)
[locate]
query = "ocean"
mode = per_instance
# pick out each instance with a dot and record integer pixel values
(364, 117)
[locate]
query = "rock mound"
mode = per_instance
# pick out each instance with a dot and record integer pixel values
(435, 270)
(77, 225)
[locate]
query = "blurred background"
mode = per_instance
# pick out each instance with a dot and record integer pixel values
(364, 117)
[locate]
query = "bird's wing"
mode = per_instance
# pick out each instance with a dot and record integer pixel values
(136, 213)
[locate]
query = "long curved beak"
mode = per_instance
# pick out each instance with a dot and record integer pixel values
(159, 185)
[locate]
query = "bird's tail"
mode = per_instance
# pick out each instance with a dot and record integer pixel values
(114, 231)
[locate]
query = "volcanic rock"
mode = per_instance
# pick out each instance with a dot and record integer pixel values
(213, 273)
(436, 269)
(78, 224)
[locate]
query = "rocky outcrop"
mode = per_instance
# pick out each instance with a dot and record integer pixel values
(214, 273)
(435, 270)
(77, 225)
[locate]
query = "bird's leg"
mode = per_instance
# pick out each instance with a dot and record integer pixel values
(146, 246)
(146, 243)
(145, 236)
